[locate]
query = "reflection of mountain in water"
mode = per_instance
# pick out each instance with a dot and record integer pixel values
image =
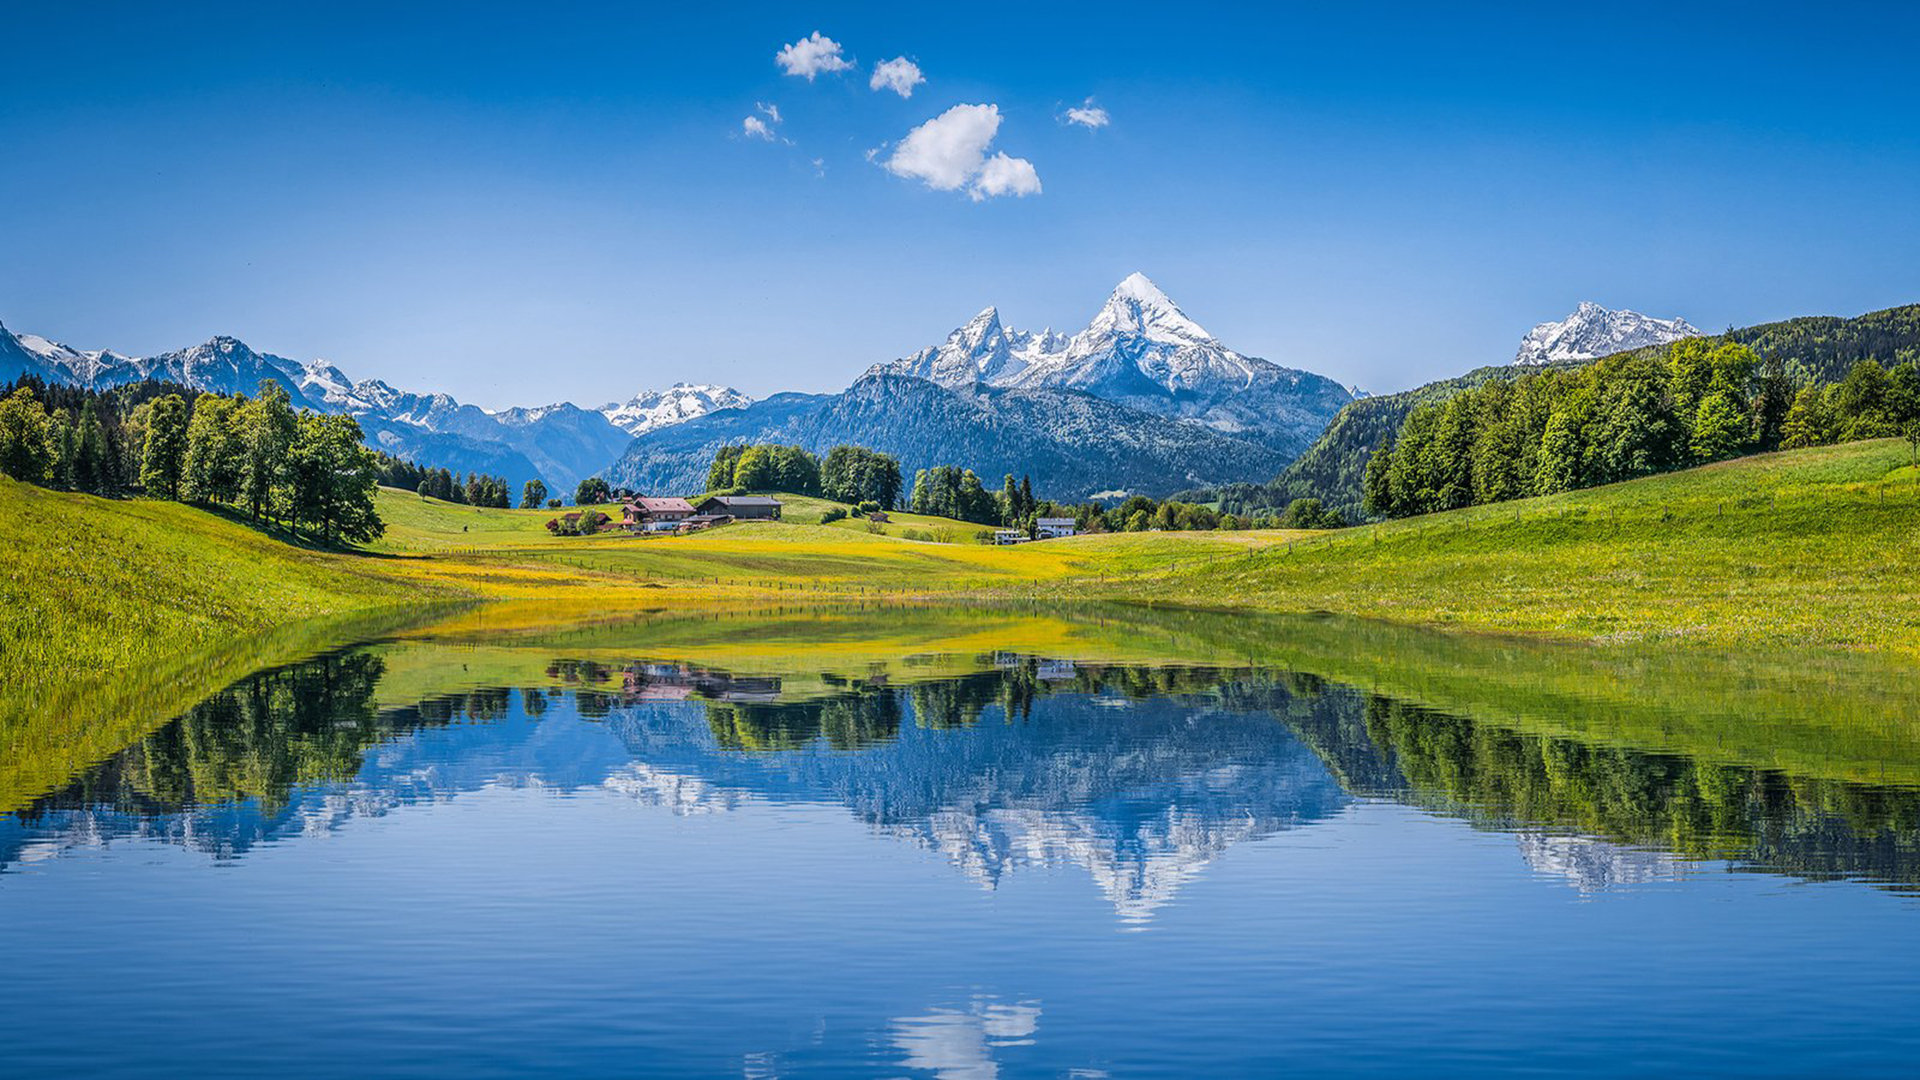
(1142, 796)
(1596, 865)
(1140, 775)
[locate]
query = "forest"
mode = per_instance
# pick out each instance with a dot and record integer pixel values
(306, 471)
(1629, 415)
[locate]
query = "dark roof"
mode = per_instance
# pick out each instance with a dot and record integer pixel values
(744, 500)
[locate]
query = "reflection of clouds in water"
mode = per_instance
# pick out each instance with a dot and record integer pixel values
(1596, 865)
(959, 1043)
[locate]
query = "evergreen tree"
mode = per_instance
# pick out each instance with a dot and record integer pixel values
(93, 460)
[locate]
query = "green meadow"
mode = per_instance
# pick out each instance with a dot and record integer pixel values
(131, 608)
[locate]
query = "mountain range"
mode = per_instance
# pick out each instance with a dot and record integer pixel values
(1142, 351)
(1143, 400)
(561, 443)
(1593, 331)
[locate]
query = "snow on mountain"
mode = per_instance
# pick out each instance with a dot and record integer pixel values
(1593, 331)
(651, 409)
(561, 444)
(981, 351)
(1139, 349)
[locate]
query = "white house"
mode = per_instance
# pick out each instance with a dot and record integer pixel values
(1052, 528)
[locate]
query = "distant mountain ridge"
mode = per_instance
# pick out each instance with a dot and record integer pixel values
(1593, 331)
(1139, 350)
(1074, 445)
(561, 444)
(652, 409)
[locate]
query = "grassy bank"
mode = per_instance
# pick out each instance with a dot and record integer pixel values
(1816, 547)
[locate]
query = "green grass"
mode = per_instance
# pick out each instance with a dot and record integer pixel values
(1815, 547)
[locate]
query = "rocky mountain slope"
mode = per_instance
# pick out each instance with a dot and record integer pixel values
(652, 409)
(1142, 351)
(1073, 444)
(561, 444)
(1593, 331)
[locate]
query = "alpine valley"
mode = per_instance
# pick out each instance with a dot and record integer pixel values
(561, 444)
(1141, 401)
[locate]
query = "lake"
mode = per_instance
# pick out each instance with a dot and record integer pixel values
(969, 843)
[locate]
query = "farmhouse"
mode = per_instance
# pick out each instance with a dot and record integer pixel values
(655, 515)
(742, 507)
(1052, 528)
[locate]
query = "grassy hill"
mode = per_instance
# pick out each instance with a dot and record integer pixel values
(1814, 348)
(1816, 547)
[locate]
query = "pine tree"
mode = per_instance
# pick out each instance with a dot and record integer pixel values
(90, 451)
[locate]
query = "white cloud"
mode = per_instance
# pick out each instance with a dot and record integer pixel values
(949, 152)
(1087, 115)
(899, 75)
(754, 127)
(1003, 175)
(812, 55)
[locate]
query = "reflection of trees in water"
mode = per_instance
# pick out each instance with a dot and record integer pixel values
(1701, 810)
(1113, 766)
(263, 737)
(851, 721)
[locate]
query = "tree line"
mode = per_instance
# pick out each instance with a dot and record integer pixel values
(1633, 414)
(850, 474)
(304, 470)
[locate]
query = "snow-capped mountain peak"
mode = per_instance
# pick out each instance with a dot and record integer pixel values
(1137, 306)
(1593, 331)
(652, 409)
(1141, 350)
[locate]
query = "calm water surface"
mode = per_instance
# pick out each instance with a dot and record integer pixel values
(760, 848)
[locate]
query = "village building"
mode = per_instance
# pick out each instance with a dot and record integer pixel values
(1009, 536)
(703, 521)
(742, 507)
(656, 515)
(1053, 528)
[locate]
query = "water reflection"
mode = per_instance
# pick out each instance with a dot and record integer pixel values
(1139, 775)
(960, 1043)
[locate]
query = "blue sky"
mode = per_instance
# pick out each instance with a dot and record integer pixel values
(524, 203)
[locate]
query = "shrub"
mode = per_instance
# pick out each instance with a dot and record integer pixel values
(838, 513)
